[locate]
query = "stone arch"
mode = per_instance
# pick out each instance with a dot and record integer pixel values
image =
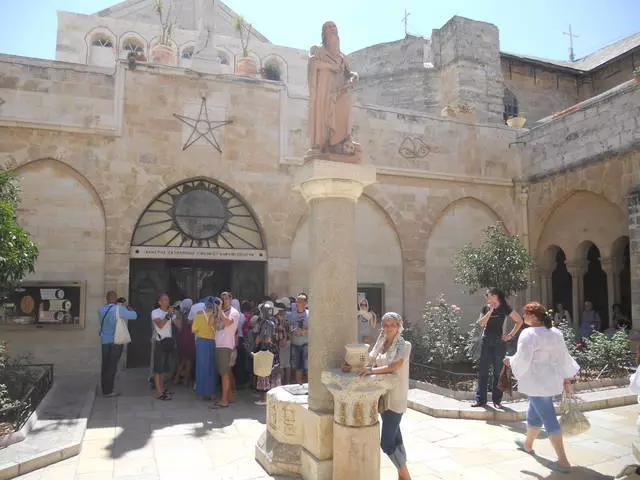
(64, 214)
(101, 44)
(133, 38)
(280, 63)
(621, 271)
(379, 253)
(581, 216)
(252, 241)
(461, 222)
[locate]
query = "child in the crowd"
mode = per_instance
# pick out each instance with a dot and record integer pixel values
(266, 328)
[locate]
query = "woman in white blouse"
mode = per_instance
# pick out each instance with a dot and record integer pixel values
(543, 367)
(391, 354)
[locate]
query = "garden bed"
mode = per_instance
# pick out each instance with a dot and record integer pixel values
(26, 386)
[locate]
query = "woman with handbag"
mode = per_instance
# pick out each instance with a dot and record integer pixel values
(494, 344)
(390, 354)
(162, 318)
(542, 365)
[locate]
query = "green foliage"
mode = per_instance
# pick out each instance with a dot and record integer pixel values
(501, 261)
(439, 339)
(167, 21)
(271, 71)
(600, 354)
(5, 400)
(244, 31)
(18, 254)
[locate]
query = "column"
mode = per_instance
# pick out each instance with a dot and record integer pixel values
(332, 190)
(609, 268)
(205, 57)
(633, 204)
(546, 296)
(577, 273)
(356, 431)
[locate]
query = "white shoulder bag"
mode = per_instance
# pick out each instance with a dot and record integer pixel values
(121, 335)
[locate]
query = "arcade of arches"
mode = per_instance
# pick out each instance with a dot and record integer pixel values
(583, 255)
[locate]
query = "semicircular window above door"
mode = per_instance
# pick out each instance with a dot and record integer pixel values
(198, 219)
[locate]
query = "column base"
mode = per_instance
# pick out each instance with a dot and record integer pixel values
(313, 469)
(356, 452)
(317, 437)
(277, 458)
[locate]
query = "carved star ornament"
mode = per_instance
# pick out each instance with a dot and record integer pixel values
(202, 127)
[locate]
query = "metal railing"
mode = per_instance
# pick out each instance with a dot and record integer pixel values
(18, 415)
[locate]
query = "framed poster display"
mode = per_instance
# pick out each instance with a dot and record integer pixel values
(45, 304)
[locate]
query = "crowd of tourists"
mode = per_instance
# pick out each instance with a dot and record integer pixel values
(216, 340)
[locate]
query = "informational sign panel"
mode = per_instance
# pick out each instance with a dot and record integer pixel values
(45, 303)
(188, 253)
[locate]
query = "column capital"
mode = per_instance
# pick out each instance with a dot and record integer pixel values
(330, 179)
(576, 268)
(355, 398)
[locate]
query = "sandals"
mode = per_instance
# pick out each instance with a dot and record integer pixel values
(522, 448)
(164, 397)
(217, 406)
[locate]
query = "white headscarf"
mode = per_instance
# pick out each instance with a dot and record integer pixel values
(377, 354)
(235, 303)
(195, 309)
(185, 307)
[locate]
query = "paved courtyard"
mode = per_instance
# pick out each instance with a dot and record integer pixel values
(137, 437)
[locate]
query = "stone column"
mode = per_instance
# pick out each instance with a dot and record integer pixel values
(546, 289)
(205, 56)
(608, 266)
(332, 190)
(356, 432)
(577, 272)
(633, 204)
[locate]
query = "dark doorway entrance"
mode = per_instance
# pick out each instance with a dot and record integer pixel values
(561, 284)
(193, 279)
(374, 293)
(595, 286)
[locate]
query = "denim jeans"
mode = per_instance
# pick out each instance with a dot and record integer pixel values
(542, 412)
(391, 438)
(492, 354)
(110, 357)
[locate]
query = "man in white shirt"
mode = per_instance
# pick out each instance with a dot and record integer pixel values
(227, 321)
(162, 319)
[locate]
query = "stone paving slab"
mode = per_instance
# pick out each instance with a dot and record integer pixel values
(138, 437)
(58, 432)
(447, 407)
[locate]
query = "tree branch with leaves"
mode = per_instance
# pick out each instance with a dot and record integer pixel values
(244, 31)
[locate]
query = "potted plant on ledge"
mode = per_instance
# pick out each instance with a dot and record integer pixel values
(245, 65)
(636, 74)
(163, 51)
(518, 121)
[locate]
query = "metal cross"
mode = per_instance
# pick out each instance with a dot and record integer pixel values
(571, 36)
(202, 127)
(405, 19)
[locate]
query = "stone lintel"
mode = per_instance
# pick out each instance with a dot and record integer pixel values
(320, 178)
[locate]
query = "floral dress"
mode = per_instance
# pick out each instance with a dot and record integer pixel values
(274, 380)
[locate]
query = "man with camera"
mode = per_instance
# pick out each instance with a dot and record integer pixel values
(227, 320)
(111, 352)
(162, 318)
(299, 322)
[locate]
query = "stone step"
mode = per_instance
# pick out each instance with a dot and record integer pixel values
(447, 407)
(58, 431)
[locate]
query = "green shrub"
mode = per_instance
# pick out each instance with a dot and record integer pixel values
(439, 338)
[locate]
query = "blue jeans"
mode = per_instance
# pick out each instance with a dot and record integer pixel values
(492, 354)
(300, 357)
(542, 412)
(391, 438)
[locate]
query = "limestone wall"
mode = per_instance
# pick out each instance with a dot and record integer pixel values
(616, 72)
(598, 128)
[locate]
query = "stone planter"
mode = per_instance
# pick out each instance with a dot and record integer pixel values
(516, 122)
(357, 354)
(246, 66)
(164, 55)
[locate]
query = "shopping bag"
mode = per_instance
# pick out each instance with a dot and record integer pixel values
(572, 421)
(262, 363)
(121, 335)
(505, 381)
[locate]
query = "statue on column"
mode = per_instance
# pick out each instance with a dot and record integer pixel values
(205, 55)
(330, 82)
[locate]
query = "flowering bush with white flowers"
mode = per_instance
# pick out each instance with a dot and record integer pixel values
(439, 339)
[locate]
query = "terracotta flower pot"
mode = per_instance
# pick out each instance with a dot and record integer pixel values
(246, 66)
(163, 55)
(517, 122)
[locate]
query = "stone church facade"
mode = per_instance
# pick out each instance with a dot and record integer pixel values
(143, 177)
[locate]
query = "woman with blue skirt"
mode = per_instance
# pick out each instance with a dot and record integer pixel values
(204, 329)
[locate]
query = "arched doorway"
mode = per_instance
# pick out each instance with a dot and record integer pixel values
(195, 239)
(595, 286)
(561, 282)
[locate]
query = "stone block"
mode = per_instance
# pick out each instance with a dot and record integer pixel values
(313, 469)
(356, 452)
(277, 458)
(285, 415)
(318, 434)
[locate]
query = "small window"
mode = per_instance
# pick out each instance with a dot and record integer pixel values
(510, 105)
(187, 53)
(102, 42)
(135, 47)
